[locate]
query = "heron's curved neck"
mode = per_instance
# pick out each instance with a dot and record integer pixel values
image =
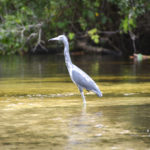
(66, 53)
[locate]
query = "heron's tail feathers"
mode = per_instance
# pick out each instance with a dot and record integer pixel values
(98, 92)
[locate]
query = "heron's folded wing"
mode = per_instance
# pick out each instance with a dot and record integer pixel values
(83, 80)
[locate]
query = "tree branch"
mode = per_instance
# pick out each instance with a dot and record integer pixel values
(83, 45)
(39, 42)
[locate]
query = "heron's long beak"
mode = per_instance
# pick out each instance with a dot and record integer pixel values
(53, 39)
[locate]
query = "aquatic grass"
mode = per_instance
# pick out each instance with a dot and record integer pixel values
(61, 87)
(56, 86)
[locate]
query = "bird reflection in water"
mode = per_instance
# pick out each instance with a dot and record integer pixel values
(81, 129)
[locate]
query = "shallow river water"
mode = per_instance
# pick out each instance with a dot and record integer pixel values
(41, 109)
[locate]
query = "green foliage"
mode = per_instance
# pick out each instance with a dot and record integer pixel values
(83, 23)
(21, 20)
(103, 18)
(93, 33)
(71, 35)
(130, 11)
(127, 24)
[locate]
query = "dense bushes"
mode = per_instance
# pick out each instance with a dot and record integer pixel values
(26, 25)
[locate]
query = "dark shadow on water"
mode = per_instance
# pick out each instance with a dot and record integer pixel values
(54, 65)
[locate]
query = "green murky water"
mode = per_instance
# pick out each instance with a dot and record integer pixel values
(41, 108)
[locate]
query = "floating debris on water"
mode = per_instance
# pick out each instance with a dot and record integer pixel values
(128, 94)
(99, 126)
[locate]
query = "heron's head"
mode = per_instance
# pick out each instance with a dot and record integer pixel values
(59, 38)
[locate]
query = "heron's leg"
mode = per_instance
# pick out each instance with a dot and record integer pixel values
(82, 94)
(83, 97)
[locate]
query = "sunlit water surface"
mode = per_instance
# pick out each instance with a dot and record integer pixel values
(41, 109)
